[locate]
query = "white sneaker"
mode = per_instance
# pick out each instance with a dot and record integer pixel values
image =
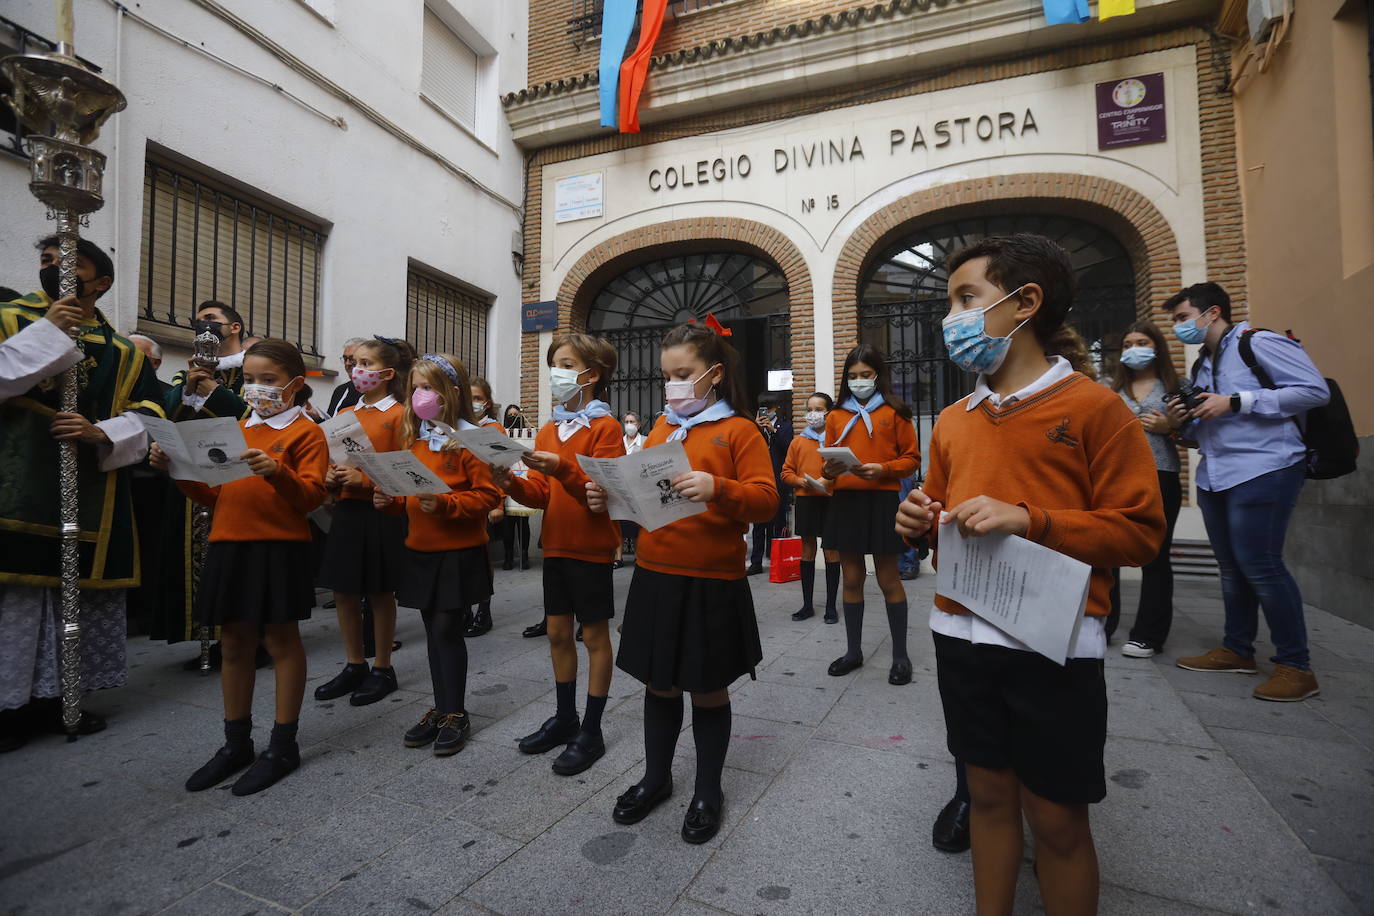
(1135, 649)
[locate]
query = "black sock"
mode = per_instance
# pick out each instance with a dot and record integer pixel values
(436, 657)
(854, 629)
(567, 704)
(591, 722)
(662, 725)
(808, 573)
(711, 729)
(283, 736)
(832, 585)
(446, 638)
(238, 732)
(960, 781)
(896, 623)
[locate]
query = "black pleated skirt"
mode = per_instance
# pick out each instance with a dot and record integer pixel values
(809, 520)
(445, 580)
(365, 551)
(863, 521)
(255, 581)
(697, 635)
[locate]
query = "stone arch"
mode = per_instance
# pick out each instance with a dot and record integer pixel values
(1127, 214)
(583, 280)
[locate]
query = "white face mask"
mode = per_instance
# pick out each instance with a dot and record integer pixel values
(681, 396)
(863, 388)
(266, 400)
(479, 408)
(631, 430)
(563, 384)
(815, 419)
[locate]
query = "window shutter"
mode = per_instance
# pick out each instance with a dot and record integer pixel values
(448, 72)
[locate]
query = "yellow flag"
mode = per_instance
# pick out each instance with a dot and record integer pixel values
(1106, 9)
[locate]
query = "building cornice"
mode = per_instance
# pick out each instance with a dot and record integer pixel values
(892, 39)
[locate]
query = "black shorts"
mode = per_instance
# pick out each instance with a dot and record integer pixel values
(1012, 708)
(579, 587)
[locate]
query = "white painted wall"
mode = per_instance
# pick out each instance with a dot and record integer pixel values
(383, 202)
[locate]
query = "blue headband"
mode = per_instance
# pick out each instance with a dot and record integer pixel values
(444, 364)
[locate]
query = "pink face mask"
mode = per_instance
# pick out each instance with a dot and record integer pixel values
(366, 380)
(426, 403)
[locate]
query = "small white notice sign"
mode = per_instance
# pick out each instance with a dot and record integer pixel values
(578, 197)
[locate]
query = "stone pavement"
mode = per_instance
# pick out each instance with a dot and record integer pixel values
(1217, 802)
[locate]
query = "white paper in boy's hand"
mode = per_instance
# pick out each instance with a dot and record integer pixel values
(206, 451)
(346, 438)
(816, 485)
(399, 473)
(843, 455)
(639, 488)
(489, 444)
(1031, 593)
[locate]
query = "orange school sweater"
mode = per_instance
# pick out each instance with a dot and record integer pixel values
(803, 457)
(570, 529)
(1075, 457)
(711, 545)
(270, 508)
(460, 519)
(383, 427)
(893, 445)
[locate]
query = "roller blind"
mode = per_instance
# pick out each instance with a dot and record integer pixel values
(448, 72)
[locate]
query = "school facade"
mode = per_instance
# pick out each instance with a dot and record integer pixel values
(803, 169)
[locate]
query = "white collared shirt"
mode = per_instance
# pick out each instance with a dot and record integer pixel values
(1092, 635)
(384, 403)
(276, 421)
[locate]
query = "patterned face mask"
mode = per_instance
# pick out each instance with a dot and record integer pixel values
(969, 345)
(366, 380)
(815, 419)
(266, 400)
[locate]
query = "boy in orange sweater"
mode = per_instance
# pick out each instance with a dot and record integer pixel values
(1039, 451)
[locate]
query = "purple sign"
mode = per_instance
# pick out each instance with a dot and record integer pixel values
(1131, 111)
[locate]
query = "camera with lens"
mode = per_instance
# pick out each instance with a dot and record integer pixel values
(1188, 394)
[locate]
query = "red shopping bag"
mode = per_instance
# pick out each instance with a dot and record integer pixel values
(784, 563)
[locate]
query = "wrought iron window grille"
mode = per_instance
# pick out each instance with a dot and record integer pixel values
(442, 317)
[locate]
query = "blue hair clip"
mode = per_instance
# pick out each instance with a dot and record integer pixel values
(442, 363)
(387, 340)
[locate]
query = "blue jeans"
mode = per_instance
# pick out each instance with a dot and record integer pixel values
(1247, 525)
(908, 559)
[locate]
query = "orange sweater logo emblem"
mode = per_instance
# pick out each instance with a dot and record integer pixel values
(1060, 433)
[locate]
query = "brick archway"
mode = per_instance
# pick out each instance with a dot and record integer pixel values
(1126, 213)
(584, 280)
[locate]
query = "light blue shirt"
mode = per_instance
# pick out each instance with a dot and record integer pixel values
(1263, 437)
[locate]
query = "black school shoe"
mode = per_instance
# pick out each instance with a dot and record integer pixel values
(454, 728)
(951, 833)
(553, 732)
(226, 762)
(584, 750)
(539, 629)
(702, 821)
(805, 613)
(843, 665)
(900, 672)
(832, 615)
(271, 767)
(636, 803)
(424, 732)
(343, 683)
(378, 683)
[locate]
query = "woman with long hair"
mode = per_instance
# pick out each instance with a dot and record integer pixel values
(1143, 378)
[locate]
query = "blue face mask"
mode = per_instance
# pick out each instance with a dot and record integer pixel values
(969, 345)
(1137, 357)
(1189, 332)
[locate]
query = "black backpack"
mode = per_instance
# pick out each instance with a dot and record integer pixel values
(1329, 433)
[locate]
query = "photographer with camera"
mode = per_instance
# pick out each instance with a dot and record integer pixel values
(1253, 464)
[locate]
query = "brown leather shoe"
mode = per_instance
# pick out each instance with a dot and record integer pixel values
(1219, 660)
(1288, 685)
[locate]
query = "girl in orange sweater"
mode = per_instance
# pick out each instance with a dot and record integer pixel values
(1042, 452)
(484, 414)
(876, 426)
(363, 555)
(446, 565)
(579, 545)
(689, 617)
(804, 460)
(257, 565)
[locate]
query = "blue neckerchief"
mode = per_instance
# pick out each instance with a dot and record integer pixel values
(717, 411)
(853, 406)
(436, 439)
(569, 420)
(817, 434)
